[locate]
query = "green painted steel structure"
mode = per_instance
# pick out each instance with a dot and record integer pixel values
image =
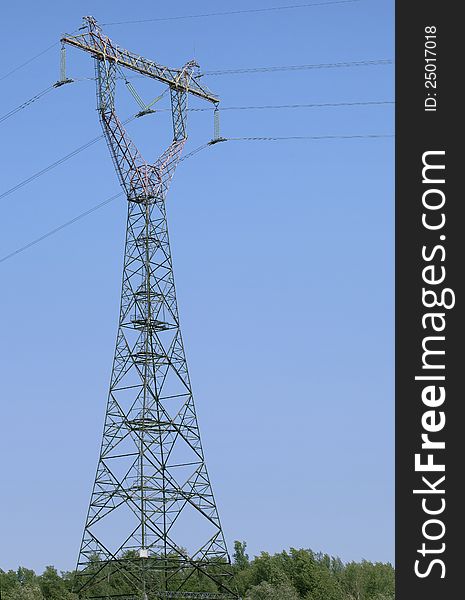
(152, 530)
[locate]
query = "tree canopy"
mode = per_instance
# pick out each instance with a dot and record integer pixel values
(297, 574)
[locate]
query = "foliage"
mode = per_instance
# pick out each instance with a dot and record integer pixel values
(240, 558)
(304, 574)
(267, 591)
(297, 574)
(368, 581)
(24, 584)
(24, 592)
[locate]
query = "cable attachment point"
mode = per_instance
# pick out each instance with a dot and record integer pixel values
(62, 82)
(142, 113)
(217, 140)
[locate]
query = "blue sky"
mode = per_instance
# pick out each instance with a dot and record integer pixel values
(283, 254)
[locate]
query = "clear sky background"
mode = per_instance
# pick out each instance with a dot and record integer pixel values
(283, 253)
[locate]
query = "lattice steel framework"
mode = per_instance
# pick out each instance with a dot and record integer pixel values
(152, 530)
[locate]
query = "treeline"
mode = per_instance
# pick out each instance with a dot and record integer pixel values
(304, 574)
(294, 575)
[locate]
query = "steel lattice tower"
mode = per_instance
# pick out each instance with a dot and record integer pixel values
(152, 530)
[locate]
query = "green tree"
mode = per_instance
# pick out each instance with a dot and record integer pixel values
(268, 591)
(8, 581)
(311, 574)
(26, 576)
(241, 559)
(51, 584)
(299, 574)
(268, 568)
(28, 591)
(368, 581)
(54, 586)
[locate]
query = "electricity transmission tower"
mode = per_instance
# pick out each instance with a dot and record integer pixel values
(152, 530)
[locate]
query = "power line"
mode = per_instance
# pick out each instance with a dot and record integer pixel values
(343, 65)
(50, 167)
(84, 214)
(60, 227)
(288, 106)
(56, 163)
(202, 147)
(233, 12)
(195, 151)
(347, 65)
(294, 106)
(98, 138)
(28, 61)
(27, 103)
(312, 137)
(351, 64)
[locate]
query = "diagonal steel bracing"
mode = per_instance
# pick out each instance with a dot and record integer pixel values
(152, 530)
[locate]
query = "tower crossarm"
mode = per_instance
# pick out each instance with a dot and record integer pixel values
(141, 180)
(102, 48)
